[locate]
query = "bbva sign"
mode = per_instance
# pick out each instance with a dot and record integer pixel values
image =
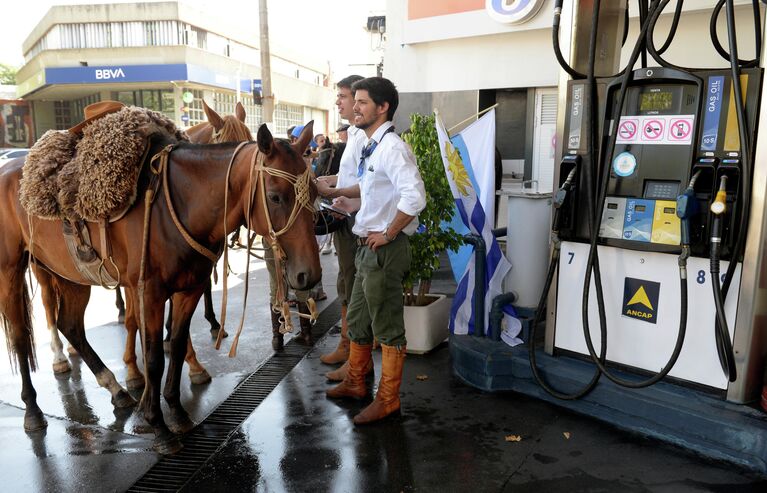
(513, 11)
(108, 73)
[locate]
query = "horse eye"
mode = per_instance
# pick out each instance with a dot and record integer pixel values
(274, 198)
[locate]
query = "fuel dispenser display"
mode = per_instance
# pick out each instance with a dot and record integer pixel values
(673, 126)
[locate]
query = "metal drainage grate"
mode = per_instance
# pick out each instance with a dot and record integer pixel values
(172, 472)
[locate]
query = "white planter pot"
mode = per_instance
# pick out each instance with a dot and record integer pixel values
(427, 326)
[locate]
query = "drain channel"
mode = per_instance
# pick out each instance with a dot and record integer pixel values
(172, 472)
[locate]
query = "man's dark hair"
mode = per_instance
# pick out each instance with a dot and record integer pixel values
(380, 91)
(349, 81)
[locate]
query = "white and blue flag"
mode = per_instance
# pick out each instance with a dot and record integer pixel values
(473, 149)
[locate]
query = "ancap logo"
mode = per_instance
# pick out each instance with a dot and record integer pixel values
(512, 11)
(640, 299)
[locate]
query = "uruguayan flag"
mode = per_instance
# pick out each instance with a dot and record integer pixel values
(473, 149)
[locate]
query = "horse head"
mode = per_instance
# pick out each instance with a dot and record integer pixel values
(289, 194)
(219, 129)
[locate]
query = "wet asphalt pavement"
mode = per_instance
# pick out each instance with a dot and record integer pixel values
(449, 438)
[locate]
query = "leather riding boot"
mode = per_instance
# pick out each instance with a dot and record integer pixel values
(360, 355)
(277, 341)
(305, 337)
(341, 354)
(386, 401)
(339, 373)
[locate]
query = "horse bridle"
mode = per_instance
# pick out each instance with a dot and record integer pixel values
(302, 193)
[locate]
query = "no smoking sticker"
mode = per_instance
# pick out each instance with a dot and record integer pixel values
(627, 131)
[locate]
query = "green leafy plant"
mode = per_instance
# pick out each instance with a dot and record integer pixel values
(7, 74)
(432, 238)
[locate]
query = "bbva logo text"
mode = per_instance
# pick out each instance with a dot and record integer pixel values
(108, 73)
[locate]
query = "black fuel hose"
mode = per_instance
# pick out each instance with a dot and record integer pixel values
(723, 344)
(757, 34)
(540, 310)
(593, 261)
(674, 26)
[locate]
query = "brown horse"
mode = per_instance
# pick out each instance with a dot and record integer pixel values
(267, 185)
(216, 130)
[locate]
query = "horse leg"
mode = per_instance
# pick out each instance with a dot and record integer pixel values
(197, 373)
(120, 304)
(165, 442)
(16, 320)
(168, 326)
(73, 299)
(134, 379)
(183, 308)
(210, 314)
(50, 303)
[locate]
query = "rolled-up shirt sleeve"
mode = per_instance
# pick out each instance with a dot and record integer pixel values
(407, 180)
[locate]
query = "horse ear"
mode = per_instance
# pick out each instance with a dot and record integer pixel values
(265, 140)
(304, 139)
(213, 117)
(239, 112)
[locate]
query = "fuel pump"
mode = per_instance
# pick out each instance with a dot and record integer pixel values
(655, 179)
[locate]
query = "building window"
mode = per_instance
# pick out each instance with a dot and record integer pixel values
(225, 104)
(287, 115)
(156, 100)
(62, 112)
(196, 113)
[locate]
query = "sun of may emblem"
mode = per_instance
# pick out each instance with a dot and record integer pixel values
(457, 169)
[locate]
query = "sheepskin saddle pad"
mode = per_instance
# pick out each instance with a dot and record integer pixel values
(94, 176)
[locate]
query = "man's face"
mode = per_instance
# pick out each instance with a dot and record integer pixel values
(366, 111)
(320, 140)
(345, 103)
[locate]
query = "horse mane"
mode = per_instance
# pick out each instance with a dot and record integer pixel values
(233, 131)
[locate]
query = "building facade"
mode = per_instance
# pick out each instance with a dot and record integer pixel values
(164, 56)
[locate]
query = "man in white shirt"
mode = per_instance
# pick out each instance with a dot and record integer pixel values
(391, 195)
(343, 239)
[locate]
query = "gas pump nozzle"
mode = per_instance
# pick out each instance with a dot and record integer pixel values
(686, 207)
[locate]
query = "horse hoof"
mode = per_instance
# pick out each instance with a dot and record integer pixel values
(62, 367)
(121, 318)
(200, 378)
(135, 383)
(123, 399)
(166, 346)
(180, 423)
(278, 344)
(167, 444)
(305, 339)
(34, 421)
(214, 329)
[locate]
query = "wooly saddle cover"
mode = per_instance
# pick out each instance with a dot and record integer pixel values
(93, 177)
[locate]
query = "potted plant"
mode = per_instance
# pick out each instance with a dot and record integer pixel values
(426, 315)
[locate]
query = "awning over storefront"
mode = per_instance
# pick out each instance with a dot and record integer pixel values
(65, 77)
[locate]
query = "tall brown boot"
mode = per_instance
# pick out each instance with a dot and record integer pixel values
(341, 354)
(354, 384)
(386, 401)
(305, 337)
(278, 343)
(339, 373)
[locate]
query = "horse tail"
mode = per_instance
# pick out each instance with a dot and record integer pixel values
(27, 339)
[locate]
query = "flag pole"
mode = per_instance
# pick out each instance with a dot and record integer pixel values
(475, 115)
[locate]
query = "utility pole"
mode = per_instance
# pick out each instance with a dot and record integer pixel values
(266, 64)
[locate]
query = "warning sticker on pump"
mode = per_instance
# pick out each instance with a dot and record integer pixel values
(640, 299)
